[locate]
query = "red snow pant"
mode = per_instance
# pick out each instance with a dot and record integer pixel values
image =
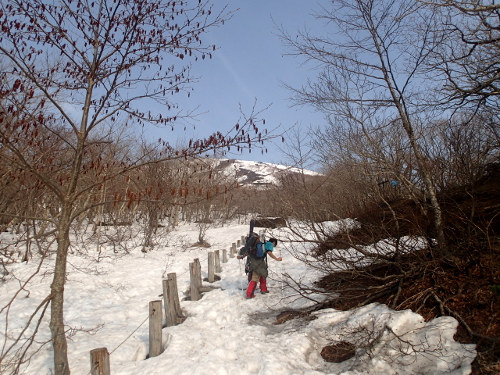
(252, 285)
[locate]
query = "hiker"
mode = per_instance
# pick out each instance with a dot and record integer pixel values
(257, 266)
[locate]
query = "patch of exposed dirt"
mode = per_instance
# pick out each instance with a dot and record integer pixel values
(339, 352)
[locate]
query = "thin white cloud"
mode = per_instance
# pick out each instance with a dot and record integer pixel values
(234, 74)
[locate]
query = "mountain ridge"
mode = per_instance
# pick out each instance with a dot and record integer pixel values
(256, 173)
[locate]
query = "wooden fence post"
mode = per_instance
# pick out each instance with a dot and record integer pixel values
(198, 271)
(211, 266)
(217, 261)
(238, 244)
(155, 326)
(173, 312)
(99, 362)
(231, 254)
(224, 256)
(194, 284)
(233, 248)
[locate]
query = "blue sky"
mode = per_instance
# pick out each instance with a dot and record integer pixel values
(250, 65)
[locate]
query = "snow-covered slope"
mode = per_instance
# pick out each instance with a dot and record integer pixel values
(257, 173)
(107, 305)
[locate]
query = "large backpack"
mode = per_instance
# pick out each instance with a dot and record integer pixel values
(253, 246)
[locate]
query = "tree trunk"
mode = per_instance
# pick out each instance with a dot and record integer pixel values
(399, 102)
(59, 343)
(430, 188)
(429, 185)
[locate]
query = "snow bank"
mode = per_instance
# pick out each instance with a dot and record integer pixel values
(393, 342)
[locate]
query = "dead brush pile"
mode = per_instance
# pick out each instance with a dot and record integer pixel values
(465, 284)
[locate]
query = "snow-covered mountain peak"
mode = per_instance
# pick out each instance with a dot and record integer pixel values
(257, 173)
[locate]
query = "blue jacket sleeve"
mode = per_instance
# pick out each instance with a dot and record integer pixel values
(269, 246)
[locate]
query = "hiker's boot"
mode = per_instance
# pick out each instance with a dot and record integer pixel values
(263, 285)
(251, 288)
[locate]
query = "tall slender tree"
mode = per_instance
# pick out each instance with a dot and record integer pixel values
(372, 73)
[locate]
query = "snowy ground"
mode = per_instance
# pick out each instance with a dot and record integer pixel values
(107, 306)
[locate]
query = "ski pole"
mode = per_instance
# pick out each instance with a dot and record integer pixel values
(241, 275)
(281, 272)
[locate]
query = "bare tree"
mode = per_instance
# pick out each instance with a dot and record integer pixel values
(79, 72)
(462, 149)
(372, 68)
